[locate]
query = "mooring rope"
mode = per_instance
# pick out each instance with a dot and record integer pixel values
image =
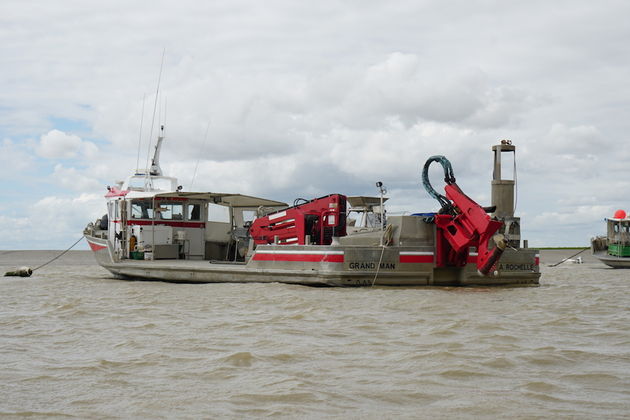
(378, 267)
(568, 258)
(58, 256)
(386, 239)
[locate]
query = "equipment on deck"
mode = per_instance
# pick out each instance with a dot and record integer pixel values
(462, 224)
(320, 220)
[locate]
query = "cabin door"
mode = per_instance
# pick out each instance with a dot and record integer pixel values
(117, 226)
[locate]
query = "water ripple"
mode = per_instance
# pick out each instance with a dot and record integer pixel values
(76, 343)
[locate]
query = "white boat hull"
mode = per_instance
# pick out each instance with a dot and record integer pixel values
(326, 266)
(611, 260)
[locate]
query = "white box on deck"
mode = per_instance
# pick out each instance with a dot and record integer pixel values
(152, 234)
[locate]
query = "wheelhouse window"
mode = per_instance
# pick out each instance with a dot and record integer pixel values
(193, 212)
(141, 210)
(162, 184)
(171, 211)
(137, 183)
(218, 213)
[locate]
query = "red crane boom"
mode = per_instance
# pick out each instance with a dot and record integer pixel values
(320, 219)
(462, 224)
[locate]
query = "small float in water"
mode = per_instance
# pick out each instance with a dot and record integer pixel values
(614, 248)
(20, 272)
(153, 230)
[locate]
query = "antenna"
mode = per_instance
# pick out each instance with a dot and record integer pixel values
(162, 110)
(157, 94)
(140, 135)
(155, 162)
(165, 103)
(203, 146)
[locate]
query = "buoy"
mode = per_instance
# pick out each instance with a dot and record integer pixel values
(20, 272)
(620, 214)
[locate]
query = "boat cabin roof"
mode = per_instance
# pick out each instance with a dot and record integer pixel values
(362, 201)
(144, 182)
(226, 199)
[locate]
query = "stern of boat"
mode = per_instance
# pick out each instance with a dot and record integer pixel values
(515, 267)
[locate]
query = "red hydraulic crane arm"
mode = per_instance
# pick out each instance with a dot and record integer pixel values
(471, 226)
(321, 219)
(462, 224)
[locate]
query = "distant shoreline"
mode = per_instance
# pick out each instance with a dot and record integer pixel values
(547, 248)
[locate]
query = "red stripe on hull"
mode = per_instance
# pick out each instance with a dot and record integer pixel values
(96, 247)
(297, 257)
(416, 259)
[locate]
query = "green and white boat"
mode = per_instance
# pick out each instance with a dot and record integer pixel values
(614, 248)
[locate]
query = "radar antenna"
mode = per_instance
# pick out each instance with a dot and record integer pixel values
(155, 169)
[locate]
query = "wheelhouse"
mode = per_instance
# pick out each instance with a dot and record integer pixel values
(618, 237)
(182, 225)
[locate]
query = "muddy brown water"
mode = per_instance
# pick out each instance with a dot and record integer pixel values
(75, 343)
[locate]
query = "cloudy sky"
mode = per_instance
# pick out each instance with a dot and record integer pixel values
(306, 98)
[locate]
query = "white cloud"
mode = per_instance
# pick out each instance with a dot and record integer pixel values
(307, 98)
(61, 220)
(14, 227)
(59, 145)
(51, 222)
(14, 160)
(73, 179)
(576, 215)
(56, 144)
(581, 139)
(88, 150)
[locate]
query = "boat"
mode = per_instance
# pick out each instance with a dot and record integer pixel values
(614, 248)
(154, 230)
